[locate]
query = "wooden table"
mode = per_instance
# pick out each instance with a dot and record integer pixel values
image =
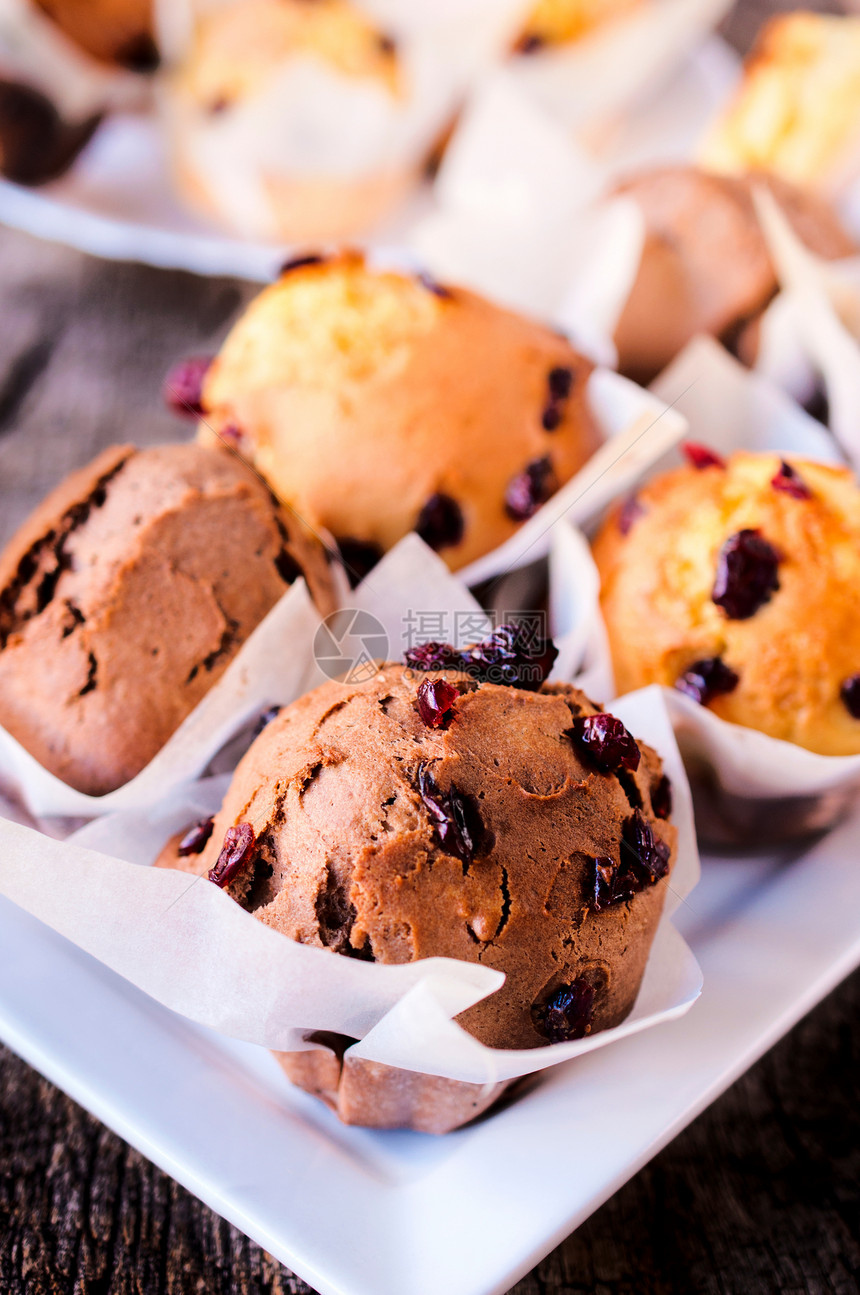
(761, 1194)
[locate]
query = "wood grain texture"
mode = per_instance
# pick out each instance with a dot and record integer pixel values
(761, 1194)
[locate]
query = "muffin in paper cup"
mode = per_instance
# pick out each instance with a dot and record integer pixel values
(382, 1040)
(410, 405)
(151, 606)
(290, 121)
(772, 747)
(810, 335)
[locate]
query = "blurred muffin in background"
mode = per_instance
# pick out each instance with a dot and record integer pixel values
(797, 110)
(283, 118)
(377, 403)
(561, 22)
(114, 31)
(705, 266)
(737, 583)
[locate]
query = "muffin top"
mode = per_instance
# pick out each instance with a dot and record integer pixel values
(126, 595)
(238, 47)
(435, 814)
(705, 265)
(560, 22)
(114, 31)
(376, 403)
(797, 110)
(738, 583)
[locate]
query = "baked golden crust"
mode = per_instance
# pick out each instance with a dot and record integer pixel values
(797, 110)
(114, 31)
(795, 652)
(705, 266)
(361, 395)
(347, 855)
(125, 597)
(236, 47)
(561, 22)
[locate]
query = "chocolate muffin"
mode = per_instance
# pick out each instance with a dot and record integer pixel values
(705, 266)
(231, 121)
(127, 594)
(737, 582)
(377, 403)
(439, 814)
(114, 31)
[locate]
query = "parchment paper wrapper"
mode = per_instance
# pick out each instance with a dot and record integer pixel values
(272, 668)
(750, 789)
(514, 211)
(812, 329)
(189, 946)
(309, 123)
(35, 51)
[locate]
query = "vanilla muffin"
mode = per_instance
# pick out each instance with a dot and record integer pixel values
(113, 31)
(127, 594)
(562, 22)
(376, 404)
(705, 266)
(797, 110)
(431, 813)
(738, 583)
(252, 115)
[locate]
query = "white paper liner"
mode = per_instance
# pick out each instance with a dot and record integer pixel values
(813, 326)
(34, 49)
(189, 946)
(728, 409)
(517, 211)
(272, 668)
(307, 121)
(636, 428)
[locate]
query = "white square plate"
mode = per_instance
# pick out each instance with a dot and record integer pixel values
(360, 1213)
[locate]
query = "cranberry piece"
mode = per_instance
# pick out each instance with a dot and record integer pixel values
(510, 656)
(606, 742)
(661, 797)
(432, 285)
(434, 656)
(551, 417)
(440, 522)
(195, 838)
(568, 1013)
(790, 482)
(359, 558)
(300, 263)
(746, 575)
(387, 44)
(183, 386)
(456, 820)
(701, 457)
(706, 679)
(231, 435)
(530, 44)
(435, 699)
(237, 851)
(850, 694)
(265, 719)
(647, 857)
(140, 54)
(601, 892)
(629, 512)
(529, 489)
(560, 383)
